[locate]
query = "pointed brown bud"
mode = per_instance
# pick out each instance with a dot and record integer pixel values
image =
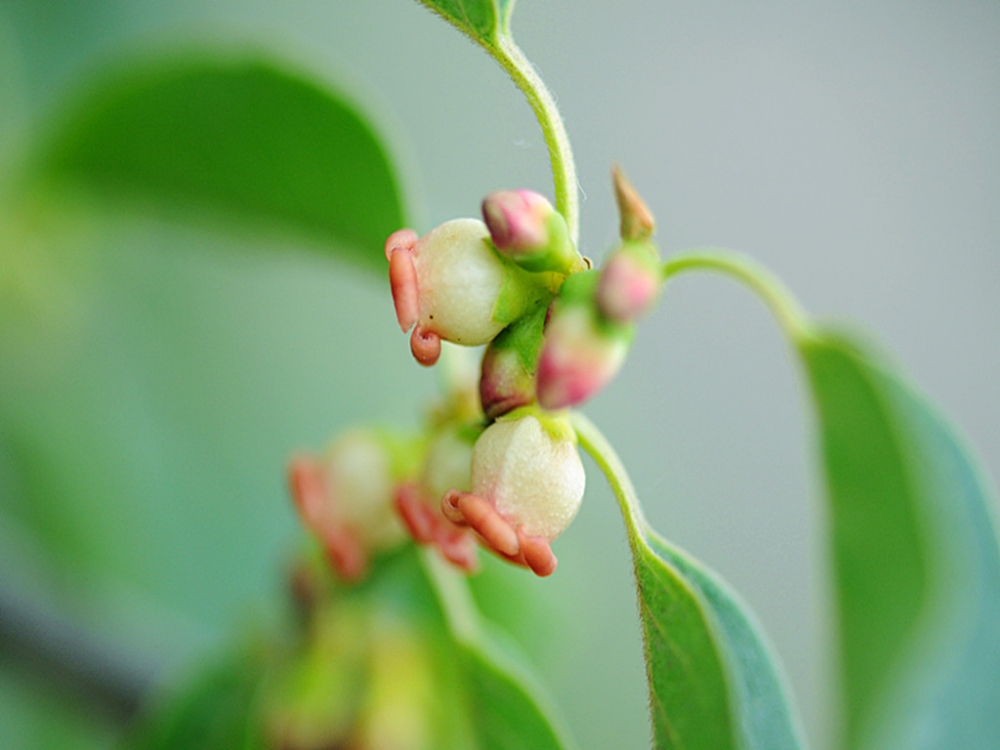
(637, 222)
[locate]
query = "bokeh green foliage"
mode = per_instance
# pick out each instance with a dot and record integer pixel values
(113, 439)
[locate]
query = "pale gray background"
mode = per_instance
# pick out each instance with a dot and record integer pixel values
(850, 147)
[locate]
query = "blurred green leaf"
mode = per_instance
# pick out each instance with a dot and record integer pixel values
(508, 704)
(219, 710)
(713, 681)
(242, 140)
(35, 714)
(916, 560)
(483, 20)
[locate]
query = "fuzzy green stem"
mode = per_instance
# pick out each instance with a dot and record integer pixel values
(510, 56)
(772, 292)
(592, 440)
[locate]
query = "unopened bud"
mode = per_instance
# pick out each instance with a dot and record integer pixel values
(510, 365)
(583, 351)
(637, 221)
(527, 229)
(452, 285)
(630, 282)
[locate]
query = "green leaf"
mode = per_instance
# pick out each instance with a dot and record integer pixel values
(914, 542)
(713, 682)
(916, 559)
(242, 140)
(483, 20)
(509, 707)
(217, 710)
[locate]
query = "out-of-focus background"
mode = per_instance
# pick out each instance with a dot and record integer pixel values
(153, 377)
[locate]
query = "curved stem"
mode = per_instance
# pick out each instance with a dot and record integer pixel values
(771, 291)
(592, 440)
(510, 56)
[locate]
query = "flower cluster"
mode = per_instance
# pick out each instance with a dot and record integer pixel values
(504, 468)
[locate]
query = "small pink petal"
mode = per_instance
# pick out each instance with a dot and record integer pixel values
(345, 552)
(425, 345)
(537, 554)
(459, 548)
(401, 239)
(403, 280)
(416, 515)
(483, 518)
(449, 506)
(308, 488)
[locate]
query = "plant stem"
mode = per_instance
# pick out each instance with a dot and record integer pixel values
(758, 279)
(592, 440)
(510, 56)
(453, 594)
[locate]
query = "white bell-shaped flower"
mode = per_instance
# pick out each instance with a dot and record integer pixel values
(452, 285)
(527, 485)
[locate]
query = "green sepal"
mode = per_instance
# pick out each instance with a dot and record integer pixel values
(524, 336)
(520, 291)
(580, 289)
(645, 253)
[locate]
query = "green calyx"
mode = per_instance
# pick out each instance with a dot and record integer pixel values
(580, 290)
(524, 336)
(521, 291)
(555, 423)
(406, 451)
(645, 254)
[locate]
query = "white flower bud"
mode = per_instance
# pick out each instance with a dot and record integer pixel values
(361, 488)
(531, 473)
(459, 278)
(346, 498)
(452, 285)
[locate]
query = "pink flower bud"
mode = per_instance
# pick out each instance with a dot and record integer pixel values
(583, 351)
(510, 365)
(346, 498)
(630, 282)
(527, 485)
(506, 382)
(452, 285)
(527, 229)
(518, 220)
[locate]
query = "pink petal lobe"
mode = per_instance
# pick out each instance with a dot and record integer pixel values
(537, 554)
(399, 249)
(425, 345)
(308, 488)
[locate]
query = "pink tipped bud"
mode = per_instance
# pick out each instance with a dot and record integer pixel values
(583, 350)
(527, 229)
(506, 382)
(578, 358)
(518, 221)
(630, 283)
(510, 365)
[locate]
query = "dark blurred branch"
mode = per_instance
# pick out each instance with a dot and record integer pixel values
(59, 652)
